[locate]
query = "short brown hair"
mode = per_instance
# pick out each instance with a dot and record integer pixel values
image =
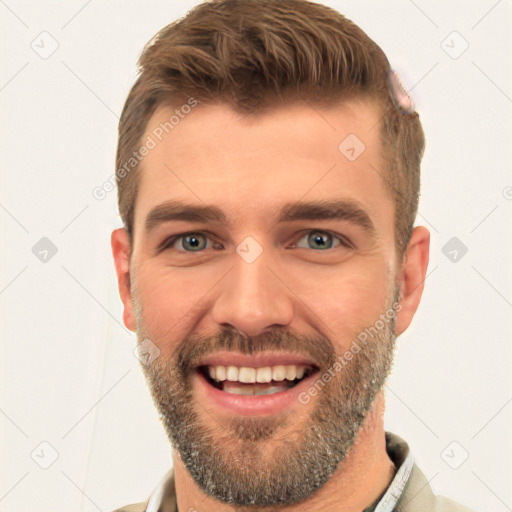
(251, 53)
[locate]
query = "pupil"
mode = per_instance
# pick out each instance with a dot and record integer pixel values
(192, 242)
(319, 239)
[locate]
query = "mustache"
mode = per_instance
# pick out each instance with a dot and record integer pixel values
(187, 354)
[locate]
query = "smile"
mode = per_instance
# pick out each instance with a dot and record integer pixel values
(250, 381)
(230, 384)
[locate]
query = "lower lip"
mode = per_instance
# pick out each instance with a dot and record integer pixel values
(251, 405)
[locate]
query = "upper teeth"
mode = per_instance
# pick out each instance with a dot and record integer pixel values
(263, 374)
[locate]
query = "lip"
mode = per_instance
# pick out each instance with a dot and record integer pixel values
(255, 361)
(250, 405)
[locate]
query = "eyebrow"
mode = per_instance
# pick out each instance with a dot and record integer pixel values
(312, 210)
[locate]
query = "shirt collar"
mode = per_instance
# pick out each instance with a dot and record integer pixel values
(399, 453)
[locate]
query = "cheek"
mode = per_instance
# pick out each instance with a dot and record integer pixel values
(169, 301)
(348, 300)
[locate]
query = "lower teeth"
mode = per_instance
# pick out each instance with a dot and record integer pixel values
(237, 388)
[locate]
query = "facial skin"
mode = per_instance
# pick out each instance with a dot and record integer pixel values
(295, 297)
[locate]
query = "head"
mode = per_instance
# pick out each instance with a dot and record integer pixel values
(256, 130)
(254, 54)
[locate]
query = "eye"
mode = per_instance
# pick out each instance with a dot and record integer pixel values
(198, 242)
(322, 240)
(190, 242)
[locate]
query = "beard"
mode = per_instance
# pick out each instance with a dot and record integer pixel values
(269, 461)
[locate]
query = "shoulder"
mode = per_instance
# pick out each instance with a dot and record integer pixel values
(418, 495)
(443, 504)
(415, 492)
(162, 499)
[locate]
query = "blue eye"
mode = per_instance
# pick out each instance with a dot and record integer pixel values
(322, 240)
(198, 242)
(190, 242)
(194, 241)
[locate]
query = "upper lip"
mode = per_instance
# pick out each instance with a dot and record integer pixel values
(259, 360)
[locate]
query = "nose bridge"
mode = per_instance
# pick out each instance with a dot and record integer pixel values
(252, 297)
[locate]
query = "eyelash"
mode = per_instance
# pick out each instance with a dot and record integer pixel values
(169, 242)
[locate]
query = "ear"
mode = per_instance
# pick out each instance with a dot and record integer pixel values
(412, 277)
(121, 250)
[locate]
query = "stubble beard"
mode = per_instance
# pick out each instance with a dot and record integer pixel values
(268, 461)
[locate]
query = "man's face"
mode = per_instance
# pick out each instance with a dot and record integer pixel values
(267, 283)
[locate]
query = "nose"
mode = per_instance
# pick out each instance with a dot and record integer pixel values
(254, 297)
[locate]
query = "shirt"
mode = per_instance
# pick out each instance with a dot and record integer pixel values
(409, 491)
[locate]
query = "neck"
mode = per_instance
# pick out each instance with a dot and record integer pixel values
(359, 481)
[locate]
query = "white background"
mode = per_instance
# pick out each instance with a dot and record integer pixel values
(68, 375)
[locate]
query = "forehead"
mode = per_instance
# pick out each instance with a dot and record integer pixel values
(251, 165)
